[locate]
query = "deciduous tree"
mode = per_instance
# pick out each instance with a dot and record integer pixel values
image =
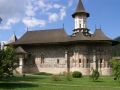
(116, 69)
(8, 61)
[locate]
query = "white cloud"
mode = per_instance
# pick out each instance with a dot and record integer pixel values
(70, 2)
(9, 23)
(12, 9)
(40, 4)
(53, 17)
(62, 13)
(11, 12)
(27, 11)
(43, 5)
(30, 11)
(31, 22)
(57, 6)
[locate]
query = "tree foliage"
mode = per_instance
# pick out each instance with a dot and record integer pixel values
(116, 69)
(8, 61)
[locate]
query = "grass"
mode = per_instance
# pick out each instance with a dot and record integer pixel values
(46, 82)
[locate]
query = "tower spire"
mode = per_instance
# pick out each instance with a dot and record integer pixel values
(80, 7)
(80, 10)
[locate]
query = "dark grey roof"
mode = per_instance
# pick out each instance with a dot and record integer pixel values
(80, 9)
(20, 50)
(43, 36)
(99, 35)
(53, 36)
(79, 36)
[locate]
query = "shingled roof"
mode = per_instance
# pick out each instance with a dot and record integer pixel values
(56, 36)
(43, 36)
(79, 36)
(99, 35)
(80, 10)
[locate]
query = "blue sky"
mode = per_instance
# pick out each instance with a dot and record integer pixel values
(17, 15)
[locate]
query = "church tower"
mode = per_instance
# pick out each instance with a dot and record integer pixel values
(80, 16)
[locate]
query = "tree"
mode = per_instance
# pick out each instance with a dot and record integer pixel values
(8, 61)
(95, 75)
(116, 69)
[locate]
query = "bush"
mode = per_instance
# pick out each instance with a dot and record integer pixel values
(65, 73)
(77, 74)
(56, 77)
(95, 75)
(68, 77)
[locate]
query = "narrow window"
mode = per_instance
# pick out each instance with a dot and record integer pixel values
(79, 60)
(100, 60)
(33, 61)
(88, 64)
(42, 59)
(73, 60)
(58, 61)
(100, 63)
(87, 60)
(79, 25)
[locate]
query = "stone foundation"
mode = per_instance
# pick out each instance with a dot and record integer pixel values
(106, 71)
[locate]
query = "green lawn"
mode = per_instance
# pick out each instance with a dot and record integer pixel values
(44, 82)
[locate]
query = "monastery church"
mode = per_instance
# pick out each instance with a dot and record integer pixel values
(54, 51)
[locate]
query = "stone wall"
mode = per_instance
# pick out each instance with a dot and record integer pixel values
(49, 59)
(53, 59)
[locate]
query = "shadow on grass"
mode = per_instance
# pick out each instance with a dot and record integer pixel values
(98, 81)
(43, 73)
(20, 78)
(16, 85)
